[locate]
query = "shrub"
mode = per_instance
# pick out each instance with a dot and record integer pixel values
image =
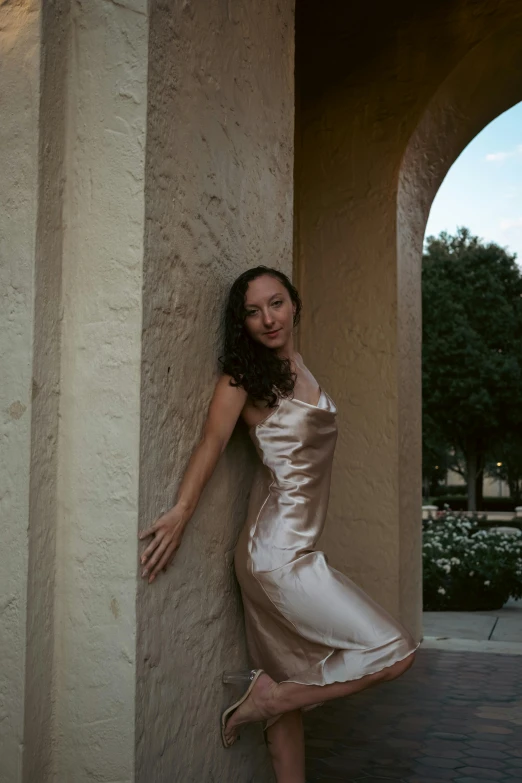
(451, 489)
(466, 568)
(461, 502)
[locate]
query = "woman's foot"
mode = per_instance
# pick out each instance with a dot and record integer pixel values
(259, 705)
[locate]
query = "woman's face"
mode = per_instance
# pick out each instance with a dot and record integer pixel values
(269, 312)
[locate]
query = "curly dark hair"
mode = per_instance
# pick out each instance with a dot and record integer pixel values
(252, 365)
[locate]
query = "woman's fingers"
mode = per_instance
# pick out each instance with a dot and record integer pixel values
(162, 564)
(148, 532)
(161, 556)
(169, 561)
(156, 541)
(151, 565)
(166, 532)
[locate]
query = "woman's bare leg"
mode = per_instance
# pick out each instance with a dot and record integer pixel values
(269, 698)
(292, 695)
(285, 740)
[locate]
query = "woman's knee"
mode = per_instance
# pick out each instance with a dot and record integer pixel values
(405, 664)
(399, 667)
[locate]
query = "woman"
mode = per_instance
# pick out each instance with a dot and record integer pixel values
(312, 634)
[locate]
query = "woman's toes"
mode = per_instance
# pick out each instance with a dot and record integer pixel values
(230, 735)
(256, 707)
(257, 704)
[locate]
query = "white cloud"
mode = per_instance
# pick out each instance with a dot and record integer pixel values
(508, 223)
(513, 191)
(497, 157)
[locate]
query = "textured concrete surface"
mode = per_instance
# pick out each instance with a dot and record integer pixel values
(19, 62)
(508, 629)
(219, 197)
(454, 716)
(99, 425)
(459, 625)
(386, 102)
(38, 742)
(72, 148)
(472, 645)
(500, 625)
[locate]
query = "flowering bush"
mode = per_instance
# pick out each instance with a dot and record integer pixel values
(466, 568)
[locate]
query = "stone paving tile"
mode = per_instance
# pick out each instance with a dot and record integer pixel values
(486, 754)
(454, 716)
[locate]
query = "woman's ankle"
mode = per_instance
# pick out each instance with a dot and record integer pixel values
(272, 700)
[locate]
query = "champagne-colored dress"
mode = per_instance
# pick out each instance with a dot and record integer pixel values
(305, 621)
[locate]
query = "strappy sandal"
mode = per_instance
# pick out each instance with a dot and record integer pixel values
(237, 678)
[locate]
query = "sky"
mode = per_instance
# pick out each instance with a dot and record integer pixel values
(483, 188)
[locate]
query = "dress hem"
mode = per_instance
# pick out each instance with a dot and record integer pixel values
(352, 679)
(271, 721)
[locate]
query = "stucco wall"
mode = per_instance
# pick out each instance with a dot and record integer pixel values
(38, 742)
(365, 84)
(19, 89)
(219, 200)
(385, 106)
(103, 207)
(79, 711)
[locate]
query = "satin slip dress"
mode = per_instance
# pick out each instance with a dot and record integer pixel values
(305, 621)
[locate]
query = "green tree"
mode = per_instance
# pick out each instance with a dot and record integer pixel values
(436, 459)
(505, 462)
(472, 347)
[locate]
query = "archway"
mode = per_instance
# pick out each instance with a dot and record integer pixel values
(385, 106)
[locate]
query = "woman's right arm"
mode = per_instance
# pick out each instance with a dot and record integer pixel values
(224, 410)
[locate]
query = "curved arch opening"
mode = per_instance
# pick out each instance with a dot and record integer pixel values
(385, 106)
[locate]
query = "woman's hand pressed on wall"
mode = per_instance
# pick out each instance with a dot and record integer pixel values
(224, 410)
(167, 533)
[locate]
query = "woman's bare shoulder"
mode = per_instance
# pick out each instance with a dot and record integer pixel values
(251, 411)
(226, 382)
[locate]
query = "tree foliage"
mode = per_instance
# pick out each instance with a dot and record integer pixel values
(472, 346)
(509, 454)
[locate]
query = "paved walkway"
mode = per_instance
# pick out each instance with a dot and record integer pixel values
(502, 629)
(456, 715)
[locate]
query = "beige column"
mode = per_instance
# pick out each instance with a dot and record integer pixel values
(39, 736)
(218, 201)
(83, 520)
(218, 188)
(98, 442)
(19, 89)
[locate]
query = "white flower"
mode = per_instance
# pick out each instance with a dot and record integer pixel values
(487, 582)
(471, 573)
(441, 590)
(455, 561)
